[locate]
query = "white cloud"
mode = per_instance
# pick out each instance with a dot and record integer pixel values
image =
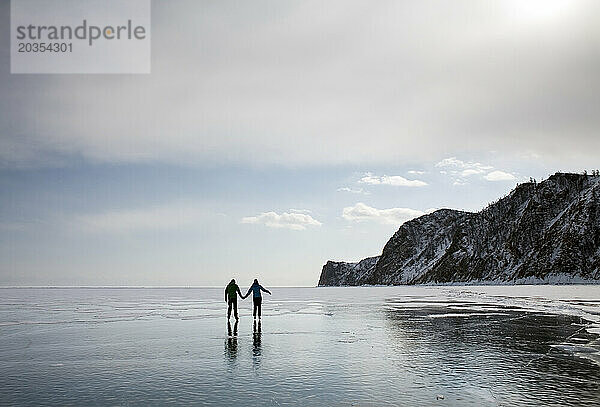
(394, 180)
(287, 220)
(460, 170)
(391, 216)
(450, 162)
(144, 219)
(499, 176)
(353, 190)
(300, 210)
(470, 171)
(465, 168)
(415, 172)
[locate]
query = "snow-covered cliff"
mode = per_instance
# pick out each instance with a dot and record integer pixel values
(342, 273)
(540, 233)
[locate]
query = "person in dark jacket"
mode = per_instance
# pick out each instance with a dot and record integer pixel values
(231, 292)
(256, 288)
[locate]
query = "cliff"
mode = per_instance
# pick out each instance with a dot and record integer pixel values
(539, 233)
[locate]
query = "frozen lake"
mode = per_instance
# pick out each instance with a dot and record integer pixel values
(363, 346)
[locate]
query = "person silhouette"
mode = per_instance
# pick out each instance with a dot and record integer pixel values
(231, 292)
(256, 288)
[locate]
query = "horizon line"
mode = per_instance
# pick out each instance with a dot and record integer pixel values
(138, 286)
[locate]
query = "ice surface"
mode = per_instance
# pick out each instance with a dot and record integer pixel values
(367, 346)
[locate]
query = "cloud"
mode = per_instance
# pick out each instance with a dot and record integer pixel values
(175, 216)
(499, 176)
(287, 220)
(465, 168)
(395, 180)
(300, 210)
(393, 216)
(470, 171)
(285, 80)
(415, 172)
(353, 190)
(460, 170)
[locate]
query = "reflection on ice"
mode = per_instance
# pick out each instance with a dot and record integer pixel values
(256, 343)
(231, 342)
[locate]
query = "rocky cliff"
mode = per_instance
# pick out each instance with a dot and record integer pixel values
(539, 233)
(342, 273)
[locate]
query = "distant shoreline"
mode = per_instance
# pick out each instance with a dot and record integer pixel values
(131, 286)
(448, 284)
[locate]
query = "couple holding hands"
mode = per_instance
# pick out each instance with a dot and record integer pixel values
(233, 290)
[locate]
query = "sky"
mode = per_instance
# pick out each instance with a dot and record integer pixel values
(273, 136)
